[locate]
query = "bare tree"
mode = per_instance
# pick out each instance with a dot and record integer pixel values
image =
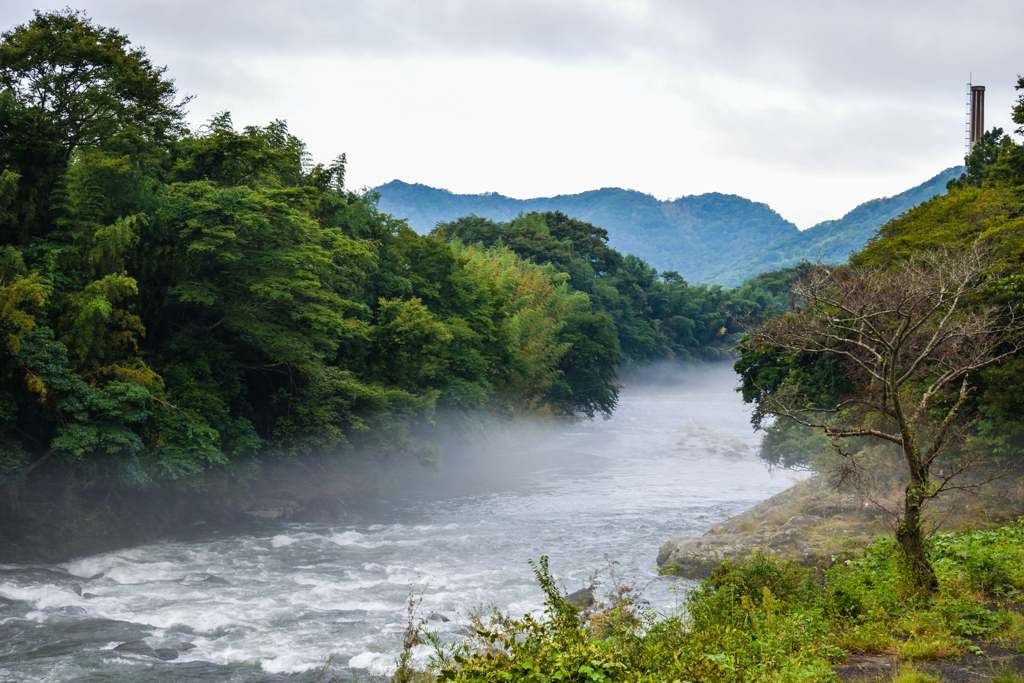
(910, 338)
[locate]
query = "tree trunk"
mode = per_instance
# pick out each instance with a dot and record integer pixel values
(911, 538)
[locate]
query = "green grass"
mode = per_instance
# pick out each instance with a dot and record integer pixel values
(908, 674)
(760, 620)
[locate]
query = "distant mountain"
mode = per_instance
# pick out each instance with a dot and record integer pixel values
(711, 237)
(834, 241)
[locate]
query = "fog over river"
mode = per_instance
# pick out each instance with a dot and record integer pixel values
(675, 458)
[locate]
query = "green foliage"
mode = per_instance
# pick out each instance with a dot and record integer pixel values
(180, 306)
(654, 315)
(758, 619)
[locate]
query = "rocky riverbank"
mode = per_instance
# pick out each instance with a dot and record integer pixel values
(812, 523)
(50, 520)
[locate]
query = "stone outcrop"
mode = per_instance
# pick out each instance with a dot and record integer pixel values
(808, 523)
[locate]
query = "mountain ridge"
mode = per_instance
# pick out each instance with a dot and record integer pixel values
(711, 237)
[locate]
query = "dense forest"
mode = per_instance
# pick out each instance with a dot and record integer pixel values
(182, 308)
(713, 237)
(654, 315)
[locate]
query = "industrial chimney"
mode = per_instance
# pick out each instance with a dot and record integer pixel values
(977, 116)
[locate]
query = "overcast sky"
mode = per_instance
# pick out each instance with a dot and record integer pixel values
(809, 106)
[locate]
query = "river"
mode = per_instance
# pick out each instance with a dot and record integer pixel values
(676, 457)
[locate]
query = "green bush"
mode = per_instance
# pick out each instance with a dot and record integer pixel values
(758, 620)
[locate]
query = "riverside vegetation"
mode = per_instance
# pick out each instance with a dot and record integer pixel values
(765, 619)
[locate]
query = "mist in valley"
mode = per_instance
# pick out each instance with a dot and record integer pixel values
(279, 598)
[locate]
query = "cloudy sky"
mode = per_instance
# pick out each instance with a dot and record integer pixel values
(811, 106)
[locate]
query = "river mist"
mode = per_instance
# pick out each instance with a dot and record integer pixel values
(678, 455)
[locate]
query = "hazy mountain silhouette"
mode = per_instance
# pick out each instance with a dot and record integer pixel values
(711, 237)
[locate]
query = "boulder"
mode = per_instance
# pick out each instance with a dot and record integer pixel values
(166, 653)
(695, 558)
(184, 646)
(137, 647)
(584, 597)
(437, 616)
(88, 596)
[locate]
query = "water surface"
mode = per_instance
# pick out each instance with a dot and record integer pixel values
(673, 460)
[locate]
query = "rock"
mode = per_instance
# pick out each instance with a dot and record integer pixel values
(137, 647)
(809, 523)
(787, 541)
(695, 558)
(77, 587)
(437, 616)
(584, 597)
(88, 596)
(269, 508)
(184, 646)
(166, 653)
(803, 520)
(73, 611)
(216, 581)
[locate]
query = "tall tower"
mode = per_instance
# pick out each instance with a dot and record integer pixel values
(977, 121)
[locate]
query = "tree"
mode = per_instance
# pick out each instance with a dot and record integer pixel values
(82, 84)
(910, 339)
(67, 85)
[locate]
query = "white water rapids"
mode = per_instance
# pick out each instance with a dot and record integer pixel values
(672, 461)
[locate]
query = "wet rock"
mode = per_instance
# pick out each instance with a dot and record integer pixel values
(184, 646)
(165, 653)
(73, 611)
(216, 581)
(584, 597)
(268, 508)
(88, 596)
(437, 616)
(695, 558)
(77, 587)
(137, 647)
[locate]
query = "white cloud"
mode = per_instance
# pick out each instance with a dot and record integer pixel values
(811, 107)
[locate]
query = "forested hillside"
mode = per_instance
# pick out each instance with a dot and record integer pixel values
(713, 238)
(655, 315)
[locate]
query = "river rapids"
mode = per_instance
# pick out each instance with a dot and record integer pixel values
(289, 602)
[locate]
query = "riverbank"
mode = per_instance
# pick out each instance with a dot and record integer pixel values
(767, 620)
(813, 524)
(53, 519)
